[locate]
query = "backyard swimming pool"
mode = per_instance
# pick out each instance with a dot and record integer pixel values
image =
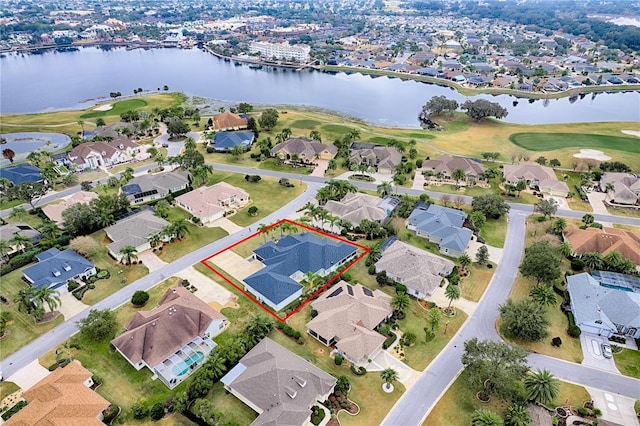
(182, 368)
(24, 143)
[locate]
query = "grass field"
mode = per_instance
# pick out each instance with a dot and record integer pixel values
(552, 141)
(117, 108)
(457, 405)
(628, 362)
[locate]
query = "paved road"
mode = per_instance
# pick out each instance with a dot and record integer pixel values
(59, 334)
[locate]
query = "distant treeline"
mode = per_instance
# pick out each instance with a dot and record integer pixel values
(568, 16)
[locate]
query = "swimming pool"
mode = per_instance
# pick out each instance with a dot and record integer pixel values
(183, 368)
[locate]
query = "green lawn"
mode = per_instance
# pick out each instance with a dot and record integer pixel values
(21, 328)
(472, 287)
(271, 164)
(7, 388)
(573, 179)
(122, 384)
(551, 141)
(457, 405)
(235, 410)
(118, 108)
(494, 231)
(628, 362)
(305, 124)
(267, 195)
(623, 212)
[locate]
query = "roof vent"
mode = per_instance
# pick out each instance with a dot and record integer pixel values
(67, 267)
(153, 324)
(292, 394)
(300, 381)
(56, 273)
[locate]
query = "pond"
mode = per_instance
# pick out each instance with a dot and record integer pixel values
(24, 143)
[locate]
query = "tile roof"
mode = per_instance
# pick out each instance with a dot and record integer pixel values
(303, 147)
(415, 268)
(134, 230)
(349, 314)
(55, 268)
(228, 120)
(54, 211)
(380, 156)
(84, 150)
(9, 230)
(604, 241)
(626, 187)
(528, 171)
(592, 302)
(280, 383)
(155, 335)
(305, 253)
(61, 398)
(207, 201)
(355, 207)
(21, 173)
(447, 164)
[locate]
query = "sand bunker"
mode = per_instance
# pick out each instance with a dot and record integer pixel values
(631, 132)
(106, 107)
(592, 154)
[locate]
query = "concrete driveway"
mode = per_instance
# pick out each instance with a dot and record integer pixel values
(70, 306)
(592, 353)
(385, 360)
(29, 375)
(235, 265)
(225, 224)
(321, 168)
(208, 291)
(615, 408)
(596, 199)
(495, 253)
(151, 261)
(418, 180)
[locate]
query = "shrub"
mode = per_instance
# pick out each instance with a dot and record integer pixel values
(91, 286)
(359, 371)
(253, 210)
(157, 411)
(574, 331)
(110, 413)
(139, 409)
(583, 411)
(556, 342)
(390, 339)
(210, 150)
(103, 274)
(372, 270)
(401, 288)
(72, 285)
(139, 298)
(13, 410)
(577, 264)
(338, 359)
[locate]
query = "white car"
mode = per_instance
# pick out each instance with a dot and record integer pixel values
(606, 350)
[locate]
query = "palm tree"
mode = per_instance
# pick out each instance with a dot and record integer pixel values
(588, 219)
(384, 189)
(5, 248)
(453, 293)
(613, 260)
(593, 260)
(129, 254)
(50, 230)
(559, 226)
(105, 219)
(543, 295)
(21, 242)
(389, 375)
(375, 252)
(25, 299)
(354, 134)
(160, 159)
(517, 415)
(262, 228)
(465, 260)
(236, 152)
(565, 249)
(200, 174)
(217, 365)
(180, 228)
(541, 386)
(155, 240)
(434, 316)
(127, 175)
(48, 296)
(610, 189)
(189, 144)
(458, 175)
(286, 133)
(400, 302)
(483, 417)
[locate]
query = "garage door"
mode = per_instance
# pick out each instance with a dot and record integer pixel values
(590, 329)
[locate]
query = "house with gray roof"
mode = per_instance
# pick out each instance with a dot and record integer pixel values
(420, 271)
(536, 176)
(604, 309)
(446, 164)
(441, 225)
(355, 207)
(288, 261)
(305, 150)
(144, 188)
(226, 141)
(134, 230)
(278, 384)
(626, 188)
(8, 231)
(174, 339)
(383, 158)
(348, 316)
(55, 268)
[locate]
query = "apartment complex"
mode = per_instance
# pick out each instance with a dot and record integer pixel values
(299, 52)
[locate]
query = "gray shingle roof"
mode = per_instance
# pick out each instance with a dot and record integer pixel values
(134, 230)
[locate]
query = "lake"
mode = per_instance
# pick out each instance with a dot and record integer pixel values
(26, 142)
(55, 80)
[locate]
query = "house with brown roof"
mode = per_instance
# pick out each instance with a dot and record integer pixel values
(348, 316)
(172, 340)
(356, 207)
(213, 202)
(420, 271)
(536, 176)
(383, 158)
(278, 384)
(54, 211)
(626, 188)
(444, 166)
(305, 150)
(229, 121)
(603, 241)
(64, 397)
(92, 155)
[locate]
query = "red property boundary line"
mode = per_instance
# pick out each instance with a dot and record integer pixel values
(307, 300)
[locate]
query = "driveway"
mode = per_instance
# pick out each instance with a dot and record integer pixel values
(151, 261)
(208, 291)
(29, 375)
(495, 254)
(321, 168)
(70, 306)
(596, 199)
(385, 360)
(418, 180)
(235, 265)
(225, 224)
(592, 353)
(615, 408)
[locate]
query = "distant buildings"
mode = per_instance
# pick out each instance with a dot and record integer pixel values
(383, 158)
(298, 52)
(626, 188)
(445, 165)
(54, 210)
(229, 121)
(355, 207)
(92, 155)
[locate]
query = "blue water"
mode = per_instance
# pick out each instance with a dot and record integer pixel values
(24, 143)
(182, 368)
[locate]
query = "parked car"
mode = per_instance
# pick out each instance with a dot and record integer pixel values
(606, 350)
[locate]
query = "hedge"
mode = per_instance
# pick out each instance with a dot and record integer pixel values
(391, 337)
(13, 410)
(581, 193)
(360, 371)
(574, 330)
